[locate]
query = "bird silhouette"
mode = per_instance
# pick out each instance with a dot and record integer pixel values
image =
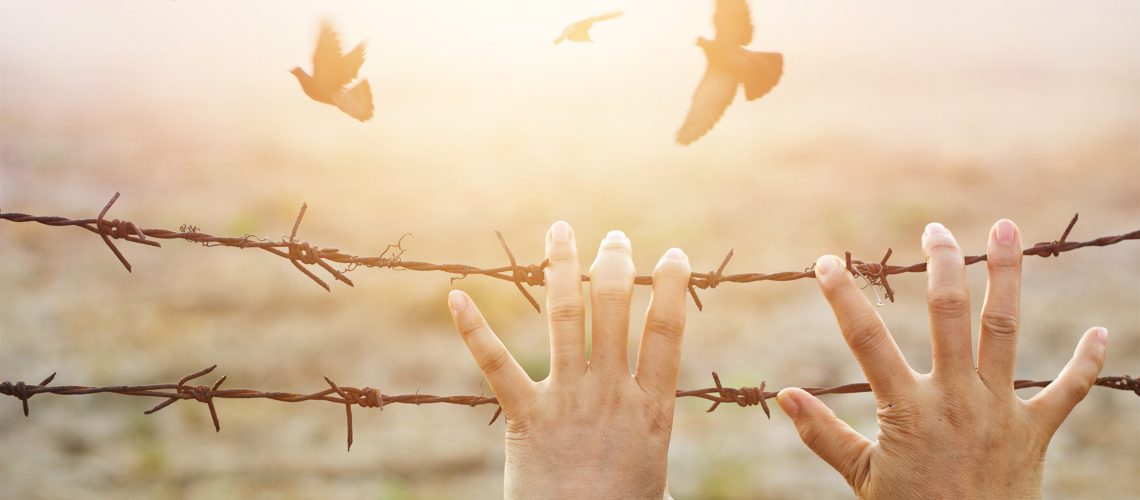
(332, 72)
(580, 31)
(729, 65)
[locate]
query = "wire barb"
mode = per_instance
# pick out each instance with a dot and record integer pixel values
(302, 254)
(372, 398)
(201, 393)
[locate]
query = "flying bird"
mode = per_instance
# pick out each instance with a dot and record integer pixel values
(729, 65)
(580, 31)
(332, 72)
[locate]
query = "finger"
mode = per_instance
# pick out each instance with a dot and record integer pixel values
(611, 289)
(1052, 405)
(510, 382)
(660, 351)
(565, 310)
(863, 329)
(948, 301)
(832, 439)
(1001, 312)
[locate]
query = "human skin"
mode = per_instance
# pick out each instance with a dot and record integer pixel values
(591, 429)
(960, 431)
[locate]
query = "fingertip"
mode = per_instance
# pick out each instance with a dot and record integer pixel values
(1005, 232)
(827, 268)
(673, 261)
(1057, 400)
(675, 254)
(936, 236)
(559, 232)
(616, 239)
(560, 244)
(457, 301)
(789, 401)
(1100, 335)
(1094, 346)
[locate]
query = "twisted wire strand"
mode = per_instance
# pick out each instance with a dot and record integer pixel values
(368, 397)
(304, 255)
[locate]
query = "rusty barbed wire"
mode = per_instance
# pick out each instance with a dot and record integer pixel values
(368, 397)
(302, 254)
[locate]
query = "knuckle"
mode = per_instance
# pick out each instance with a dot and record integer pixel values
(1076, 391)
(671, 327)
(959, 416)
(901, 419)
(613, 292)
(865, 335)
(469, 327)
(493, 362)
(943, 247)
(811, 435)
(565, 311)
(660, 420)
(611, 403)
(948, 302)
(1004, 262)
(1001, 325)
(562, 255)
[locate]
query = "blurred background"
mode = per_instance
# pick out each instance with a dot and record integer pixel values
(889, 115)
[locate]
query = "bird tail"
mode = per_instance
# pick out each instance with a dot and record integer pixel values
(357, 101)
(559, 39)
(762, 72)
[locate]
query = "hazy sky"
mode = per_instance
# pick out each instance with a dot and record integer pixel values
(943, 74)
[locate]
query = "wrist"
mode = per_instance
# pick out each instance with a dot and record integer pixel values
(531, 480)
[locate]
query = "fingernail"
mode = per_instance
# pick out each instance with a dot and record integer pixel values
(788, 403)
(1101, 335)
(560, 232)
(674, 254)
(827, 265)
(616, 240)
(1005, 232)
(935, 228)
(456, 301)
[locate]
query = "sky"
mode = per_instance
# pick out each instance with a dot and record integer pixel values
(942, 76)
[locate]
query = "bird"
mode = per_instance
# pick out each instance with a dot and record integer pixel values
(580, 30)
(729, 65)
(333, 71)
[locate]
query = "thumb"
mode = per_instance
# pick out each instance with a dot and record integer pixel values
(1053, 404)
(832, 439)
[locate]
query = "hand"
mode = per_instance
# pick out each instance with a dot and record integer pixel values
(590, 429)
(959, 431)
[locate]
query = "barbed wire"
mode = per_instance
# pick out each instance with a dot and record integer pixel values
(368, 397)
(302, 254)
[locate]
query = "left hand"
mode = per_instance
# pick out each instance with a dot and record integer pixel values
(591, 429)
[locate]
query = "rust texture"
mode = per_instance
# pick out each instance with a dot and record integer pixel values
(304, 255)
(368, 397)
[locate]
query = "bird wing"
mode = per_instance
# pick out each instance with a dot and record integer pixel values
(352, 61)
(604, 17)
(327, 55)
(357, 101)
(733, 22)
(331, 68)
(762, 73)
(712, 97)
